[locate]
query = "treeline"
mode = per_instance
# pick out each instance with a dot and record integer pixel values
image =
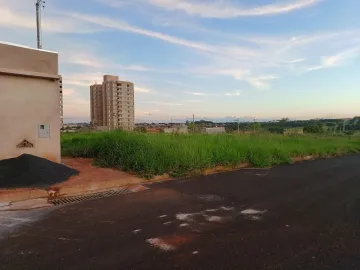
(309, 126)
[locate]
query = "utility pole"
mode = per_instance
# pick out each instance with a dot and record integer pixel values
(39, 4)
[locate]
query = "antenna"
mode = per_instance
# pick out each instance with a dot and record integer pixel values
(39, 4)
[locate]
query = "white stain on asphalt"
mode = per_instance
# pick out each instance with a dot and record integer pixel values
(163, 216)
(184, 225)
(214, 218)
(160, 244)
(137, 231)
(13, 220)
(227, 208)
(185, 217)
(252, 212)
(211, 210)
(167, 223)
(252, 217)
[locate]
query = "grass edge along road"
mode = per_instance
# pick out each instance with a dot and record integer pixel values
(150, 155)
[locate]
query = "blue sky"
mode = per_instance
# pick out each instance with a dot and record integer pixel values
(211, 58)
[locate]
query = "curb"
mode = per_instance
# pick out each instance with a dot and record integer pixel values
(47, 202)
(25, 205)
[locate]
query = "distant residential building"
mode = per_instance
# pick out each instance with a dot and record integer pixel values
(112, 104)
(180, 129)
(213, 130)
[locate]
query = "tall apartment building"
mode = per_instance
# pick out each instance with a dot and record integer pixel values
(112, 104)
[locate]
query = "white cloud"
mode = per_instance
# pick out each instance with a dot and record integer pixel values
(89, 59)
(299, 60)
(14, 18)
(123, 26)
(235, 93)
(67, 92)
(82, 79)
(222, 9)
(198, 94)
(142, 90)
(162, 103)
(336, 59)
(257, 81)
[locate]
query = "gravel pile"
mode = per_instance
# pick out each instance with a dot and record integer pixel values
(31, 171)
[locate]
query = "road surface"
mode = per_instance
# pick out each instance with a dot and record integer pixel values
(302, 216)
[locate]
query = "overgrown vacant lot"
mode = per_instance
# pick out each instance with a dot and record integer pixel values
(180, 155)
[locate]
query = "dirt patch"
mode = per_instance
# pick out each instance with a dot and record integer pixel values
(177, 240)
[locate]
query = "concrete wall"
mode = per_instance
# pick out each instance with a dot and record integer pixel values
(27, 59)
(176, 130)
(214, 130)
(29, 97)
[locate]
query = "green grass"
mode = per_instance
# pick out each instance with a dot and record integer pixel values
(149, 155)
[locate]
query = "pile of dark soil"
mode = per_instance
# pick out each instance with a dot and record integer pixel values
(31, 171)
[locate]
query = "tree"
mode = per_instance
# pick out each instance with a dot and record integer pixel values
(192, 127)
(314, 128)
(283, 120)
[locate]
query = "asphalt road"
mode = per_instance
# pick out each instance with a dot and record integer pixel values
(302, 216)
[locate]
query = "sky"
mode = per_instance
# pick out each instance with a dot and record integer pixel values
(261, 59)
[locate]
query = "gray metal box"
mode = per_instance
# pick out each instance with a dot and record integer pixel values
(44, 131)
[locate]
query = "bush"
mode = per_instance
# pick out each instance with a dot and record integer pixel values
(277, 130)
